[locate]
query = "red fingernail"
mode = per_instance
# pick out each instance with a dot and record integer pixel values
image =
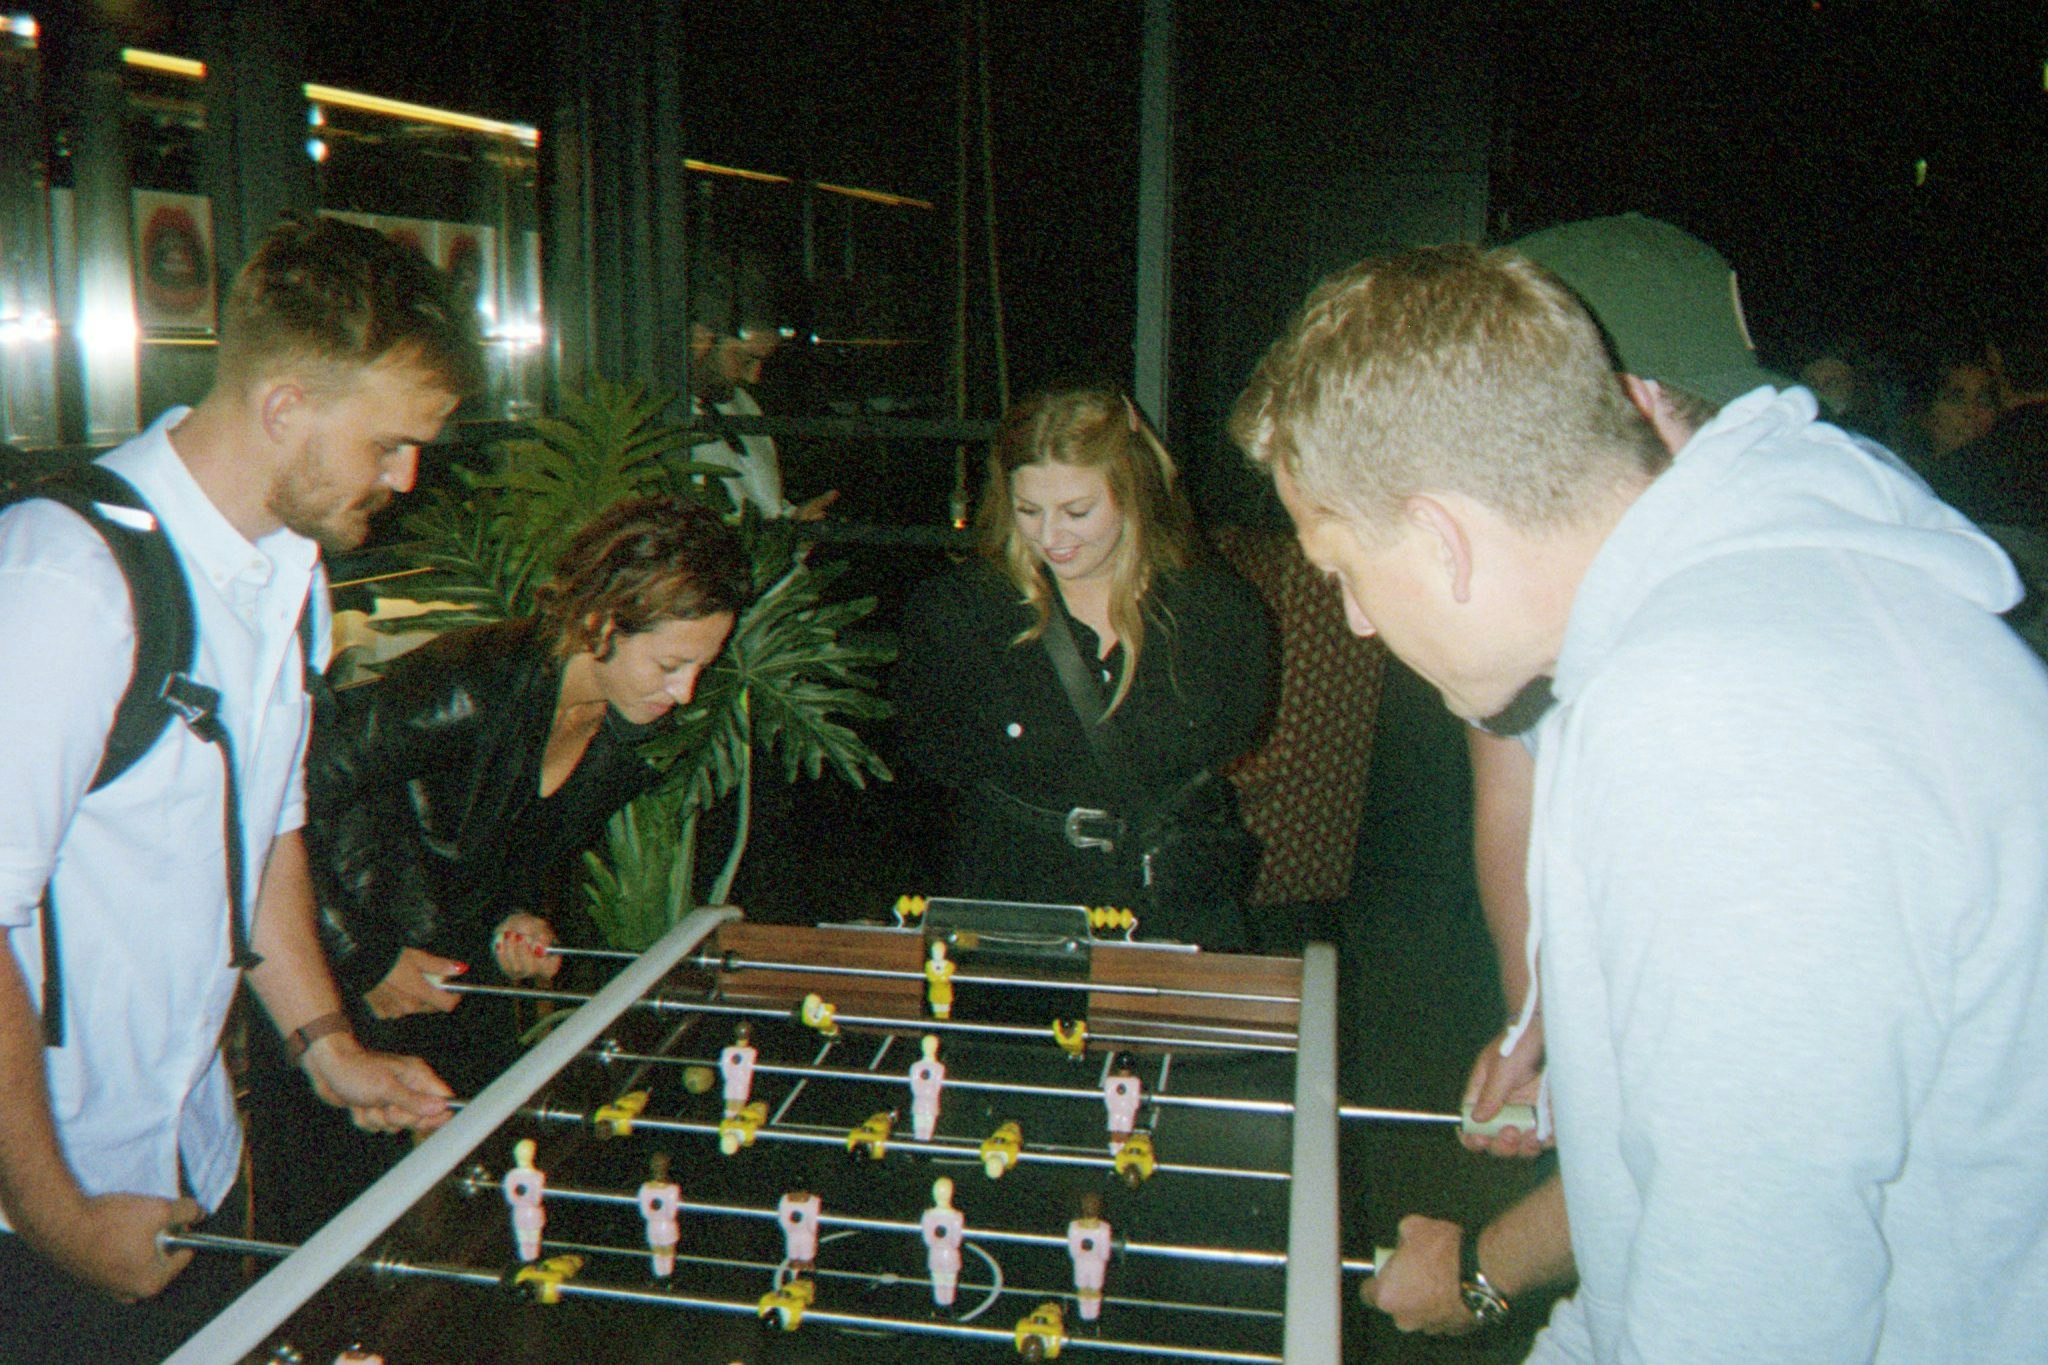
(459, 969)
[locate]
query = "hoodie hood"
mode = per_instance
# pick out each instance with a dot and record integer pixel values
(1764, 477)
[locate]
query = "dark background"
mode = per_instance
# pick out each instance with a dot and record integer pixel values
(1790, 133)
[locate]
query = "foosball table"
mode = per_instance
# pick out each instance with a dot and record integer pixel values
(982, 1131)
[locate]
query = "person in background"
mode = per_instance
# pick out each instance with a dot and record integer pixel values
(731, 338)
(1856, 389)
(341, 354)
(1962, 407)
(2000, 479)
(1085, 534)
(1784, 725)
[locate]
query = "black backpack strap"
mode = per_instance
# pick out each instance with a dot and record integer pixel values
(53, 980)
(166, 637)
(199, 707)
(318, 690)
(159, 685)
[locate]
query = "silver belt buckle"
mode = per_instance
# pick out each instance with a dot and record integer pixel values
(1072, 829)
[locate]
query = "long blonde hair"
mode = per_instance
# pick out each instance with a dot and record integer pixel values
(1090, 429)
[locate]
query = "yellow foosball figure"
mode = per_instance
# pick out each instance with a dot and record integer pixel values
(739, 1130)
(1042, 1334)
(938, 976)
(542, 1281)
(1001, 1149)
(872, 1137)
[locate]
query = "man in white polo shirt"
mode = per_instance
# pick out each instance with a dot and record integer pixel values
(340, 355)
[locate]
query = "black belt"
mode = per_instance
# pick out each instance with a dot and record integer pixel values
(1081, 826)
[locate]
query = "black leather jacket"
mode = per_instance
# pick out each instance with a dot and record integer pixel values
(425, 822)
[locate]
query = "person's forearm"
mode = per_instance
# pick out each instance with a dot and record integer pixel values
(293, 981)
(1503, 779)
(39, 1193)
(1529, 1246)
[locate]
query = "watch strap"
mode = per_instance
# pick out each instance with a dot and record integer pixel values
(312, 1031)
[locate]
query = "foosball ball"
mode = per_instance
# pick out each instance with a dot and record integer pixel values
(990, 1130)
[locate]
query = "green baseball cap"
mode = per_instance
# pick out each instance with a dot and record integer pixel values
(1667, 301)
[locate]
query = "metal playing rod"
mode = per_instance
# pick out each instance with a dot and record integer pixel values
(1354, 1113)
(572, 1289)
(1229, 1038)
(1315, 1287)
(735, 963)
(245, 1246)
(966, 1286)
(836, 1137)
(246, 1321)
(481, 1184)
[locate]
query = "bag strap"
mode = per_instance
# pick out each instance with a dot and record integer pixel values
(160, 685)
(1086, 699)
(1085, 696)
(158, 595)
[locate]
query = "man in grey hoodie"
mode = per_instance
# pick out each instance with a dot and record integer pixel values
(1786, 873)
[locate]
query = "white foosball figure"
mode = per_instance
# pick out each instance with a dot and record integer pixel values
(736, 1064)
(943, 1227)
(798, 1214)
(1088, 1244)
(356, 1355)
(524, 1188)
(927, 1078)
(660, 1201)
(1121, 1096)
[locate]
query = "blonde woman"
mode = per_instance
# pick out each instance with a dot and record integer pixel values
(1089, 781)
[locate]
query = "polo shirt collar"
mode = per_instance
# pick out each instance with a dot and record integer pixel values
(209, 542)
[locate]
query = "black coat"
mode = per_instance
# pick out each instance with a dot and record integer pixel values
(425, 822)
(988, 717)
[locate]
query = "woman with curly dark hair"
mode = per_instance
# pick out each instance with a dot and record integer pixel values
(437, 795)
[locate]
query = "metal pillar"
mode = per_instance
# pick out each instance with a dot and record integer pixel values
(28, 375)
(253, 162)
(101, 329)
(1153, 333)
(1315, 1280)
(616, 193)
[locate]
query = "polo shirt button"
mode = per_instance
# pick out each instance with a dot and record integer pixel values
(1014, 730)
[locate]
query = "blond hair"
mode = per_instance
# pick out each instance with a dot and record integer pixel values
(1447, 369)
(1090, 429)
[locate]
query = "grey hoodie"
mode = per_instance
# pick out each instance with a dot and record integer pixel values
(1789, 876)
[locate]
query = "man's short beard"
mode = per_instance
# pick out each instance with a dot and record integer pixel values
(328, 531)
(328, 527)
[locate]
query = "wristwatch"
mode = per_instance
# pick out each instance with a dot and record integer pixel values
(1487, 1304)
(305, 1035)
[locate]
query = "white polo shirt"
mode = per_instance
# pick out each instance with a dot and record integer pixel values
(140, 868)
(756, 468)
